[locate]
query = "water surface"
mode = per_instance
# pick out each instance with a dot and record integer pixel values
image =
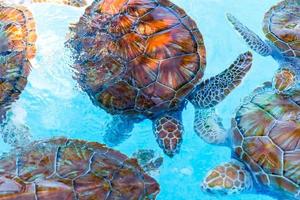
(53, 105)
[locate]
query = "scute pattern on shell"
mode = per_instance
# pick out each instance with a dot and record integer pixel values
(14, 71)
(20, 29)
(17, 45)
(266, 136)
(72, 169)
(282, 27)
(157, 52)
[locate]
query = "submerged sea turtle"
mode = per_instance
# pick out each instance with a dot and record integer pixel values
(63, 168)
(281, 26)
(17, 47)
(148, 160)
(265, 141)
(140, 59)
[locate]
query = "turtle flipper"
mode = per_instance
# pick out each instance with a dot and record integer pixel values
(118, 130)
(168, 130)
(227, 178)
(209, 127)
(15, 134)
(212, 91)
(253, 40)
(285, 79)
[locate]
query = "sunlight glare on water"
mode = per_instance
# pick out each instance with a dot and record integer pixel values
(53, 105)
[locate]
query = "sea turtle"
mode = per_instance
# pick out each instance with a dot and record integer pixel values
(281, 25)
(265, 142)
(63, 168)
(141, 59)
(17, 48)
(17, 37)
(148, 160)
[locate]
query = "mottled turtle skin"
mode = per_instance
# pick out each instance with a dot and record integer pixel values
(265, 140)
(281, 25)
(69, 169)
(141, 59)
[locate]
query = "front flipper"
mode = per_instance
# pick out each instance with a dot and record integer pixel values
(118, 130)
(228, 178)
(168, 130)
(212, 91)
(253, 40)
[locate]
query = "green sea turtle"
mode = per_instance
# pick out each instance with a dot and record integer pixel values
(17, 36)
(17, 48)
(148, 160)
(281, 25)
(69, 169)
(140, 59)
(265, 142)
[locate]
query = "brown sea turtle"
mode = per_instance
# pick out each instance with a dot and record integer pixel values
(281, 25)
(17, 48)
(17, 36)
(68, 169)
(265, 142)
(141, 59)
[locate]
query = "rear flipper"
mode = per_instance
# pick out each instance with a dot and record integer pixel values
(118, 130)
(212, 91)
(228, 178)
(253, 40)
(209, 127)
(168, 130)
(15, 134)
(284, 80)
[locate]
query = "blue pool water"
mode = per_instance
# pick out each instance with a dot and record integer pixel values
(53, 105)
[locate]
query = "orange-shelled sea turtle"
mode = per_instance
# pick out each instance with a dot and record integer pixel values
(141, 59)
(68, 169)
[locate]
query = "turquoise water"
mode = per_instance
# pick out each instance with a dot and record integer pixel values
(53, 105)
